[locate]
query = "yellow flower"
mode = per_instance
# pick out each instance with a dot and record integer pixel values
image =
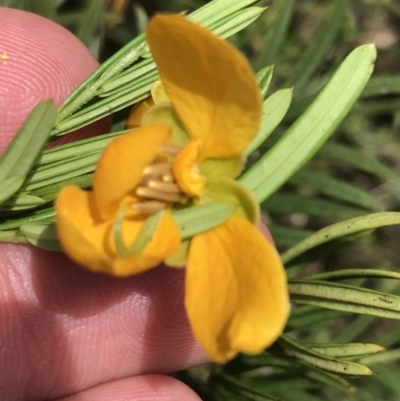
(187, 151)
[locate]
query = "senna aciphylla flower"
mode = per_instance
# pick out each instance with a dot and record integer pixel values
(186, 150)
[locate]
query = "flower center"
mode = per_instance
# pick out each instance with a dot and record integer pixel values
(158, 185)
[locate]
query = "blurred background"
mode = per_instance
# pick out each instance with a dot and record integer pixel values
(355, 173)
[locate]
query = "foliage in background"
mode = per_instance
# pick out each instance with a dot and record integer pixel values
(355, 173)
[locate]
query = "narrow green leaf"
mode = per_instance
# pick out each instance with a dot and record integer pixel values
(136, 72)
(382, 85)
(307, 315)
(311, 206)
(71, 150)
(328, 185)
(292, 367)
(322, 361)
(12, 236)
(9, 187)
(388, 377)
(213, 11)
(342, 229)
(381, 106)
(197, 219)
(242, 387)
(135, 85)
(45, 215)
(287, 236)
(264, 77)
(24, 149)
(313, 128)
(49, 192)
(42, 235)
(332, 380)
(90, 21)
(21, 202)
(118, 63)
(356, 328)
(355, 273)
(52, 174)
(274, 109)
(358, 159)
(320, 43)
(345, 298)
(103, 108)
(383, 357)
(351, 350)
(276, 33)
(45, 8)
(109, 69)
(237, 21)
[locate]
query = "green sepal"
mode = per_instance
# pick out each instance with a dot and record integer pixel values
(42, 235)
(227, 190)
(197, 219)
(179, 258)
(229, 167)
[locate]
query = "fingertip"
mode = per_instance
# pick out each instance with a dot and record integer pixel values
(139, 388)
(264, 230)
(39, 60)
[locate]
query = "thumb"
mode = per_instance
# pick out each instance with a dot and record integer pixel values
(38, 60)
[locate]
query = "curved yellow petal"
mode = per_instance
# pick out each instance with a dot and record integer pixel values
(210, 84)
(186, 170)
(120, 168)
(165, 242)
(134, 119)
(81, 233)
(236, 291)
(158, 93)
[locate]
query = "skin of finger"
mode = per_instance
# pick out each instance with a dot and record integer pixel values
(38, 60)
(63, 329)
(139, 388)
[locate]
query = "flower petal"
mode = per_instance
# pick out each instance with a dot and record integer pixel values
(82, 235)
(210, 84)
(236, 292)
(187, 172)
(120, 168)
(164, 243)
